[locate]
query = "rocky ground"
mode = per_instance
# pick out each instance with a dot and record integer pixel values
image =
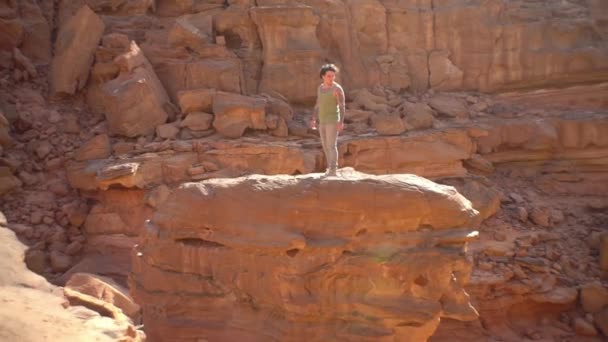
(537, 268)
(104, 110)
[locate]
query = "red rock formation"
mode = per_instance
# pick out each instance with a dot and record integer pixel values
(361, 257)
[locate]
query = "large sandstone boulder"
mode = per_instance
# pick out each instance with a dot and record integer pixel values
(382, 255)
(74, 51)
(135, 102)
(234, 113)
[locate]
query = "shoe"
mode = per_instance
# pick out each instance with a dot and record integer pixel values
(330, 173)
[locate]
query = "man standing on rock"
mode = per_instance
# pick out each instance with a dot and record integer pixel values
(329, 114)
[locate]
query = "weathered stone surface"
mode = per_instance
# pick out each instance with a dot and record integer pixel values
(74, 50)
(234, 113)
(97, 148)
(291, 53)
(192, 31)
(118, 212)
(134, 102)
(293, 252)
(222, 74)
(196, 100)
(435, 155)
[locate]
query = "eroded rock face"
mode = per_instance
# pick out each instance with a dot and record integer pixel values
(369, 257)
(292, 53)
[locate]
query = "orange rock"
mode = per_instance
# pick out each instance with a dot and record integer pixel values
(105, 289)
(196, 100)
(97, 148)
(234, 113)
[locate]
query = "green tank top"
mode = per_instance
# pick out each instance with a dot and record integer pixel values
(329, 111)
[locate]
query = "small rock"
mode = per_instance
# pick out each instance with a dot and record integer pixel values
(167, 131)
(123, 147)
(36, 217)
(601, 320)
(97, 148)
(73, 248)
(59, 261)
(54, 164)
(540, 216)
(486, 266)
(43, 149)
(197, 121)
(182, 146)
(557, 216)
(27, 178)
(35, 260)
(479, 163)
(584, 328)
(71, 125)
(388, 124)
(54, 117)
(594, 297)
(449, 106)
(76, 212)
(59, 187)
(516, 197)
(500, 236)
(522, 214)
